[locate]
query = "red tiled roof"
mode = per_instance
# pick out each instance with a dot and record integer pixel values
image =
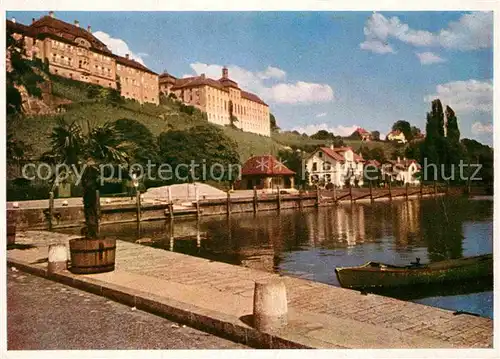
(132, 63)
(48, 25)
(337, 155)
(362, 130)
(265, 165)
(373, 163)
(16, 27)
(220, 84)
(252, 97)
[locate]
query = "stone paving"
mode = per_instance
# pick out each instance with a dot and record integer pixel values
(326, 315)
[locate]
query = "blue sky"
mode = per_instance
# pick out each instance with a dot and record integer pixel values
(322, 70)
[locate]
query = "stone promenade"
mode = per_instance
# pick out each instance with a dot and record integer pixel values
(218, 297)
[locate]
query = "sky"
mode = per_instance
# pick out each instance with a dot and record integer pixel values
(321, 70)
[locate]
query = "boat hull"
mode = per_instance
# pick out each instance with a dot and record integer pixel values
(387, 276)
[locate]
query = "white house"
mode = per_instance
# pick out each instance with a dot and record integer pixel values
(403, 171)
(335, 166)
(396, 136)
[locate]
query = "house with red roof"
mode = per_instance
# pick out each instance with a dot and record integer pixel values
(401, 170)
(265, 172)
(397, 136)
(334, 166)
(364, 135)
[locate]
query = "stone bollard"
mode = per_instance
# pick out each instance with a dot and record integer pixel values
(270, 307)
(58, 258)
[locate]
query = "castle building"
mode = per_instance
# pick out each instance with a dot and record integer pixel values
(222, 100)
(75, 53)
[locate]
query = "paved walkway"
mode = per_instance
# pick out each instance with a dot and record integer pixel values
(320, 315)
(39, 309)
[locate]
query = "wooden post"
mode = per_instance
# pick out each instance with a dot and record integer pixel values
(350, 193)
(51, 210)
(421, 189)
(228, 203)
(255, 199)
(390, 189)
(334, 193)
(317, 196)
(138, 204)
(170, 203)
(98, 201)
(371, 191)
(447, 187)
(300, 199)
(435, 187)
(279, 198)
(197, 199)
(406, 194)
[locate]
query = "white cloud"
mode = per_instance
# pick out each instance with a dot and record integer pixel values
(339, 130)
(465, 96)
(118, 46)
(428, 58)
(322, 114)
(377, 47)
(292, 93)
(272, 72)
(472, 31)
(479, 128)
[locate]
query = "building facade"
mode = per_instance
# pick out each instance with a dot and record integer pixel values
(74, 53)
(339, 167)
(265, 172)
(397, 136)
(222, 100)
(403, 171)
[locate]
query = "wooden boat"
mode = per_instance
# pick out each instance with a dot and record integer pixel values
(373, 274)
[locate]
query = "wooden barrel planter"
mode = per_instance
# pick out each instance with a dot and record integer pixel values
(11, 227)
(92, 255)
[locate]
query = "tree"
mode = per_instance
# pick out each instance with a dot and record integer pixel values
(232, 118)
(274, 125)
(452, 131)
(376, 135)
(293, 160)
(415, 132)
(88, 150)
(22, 73)
(206, 145)
(323, 135)
(146, 147)
(405, 127)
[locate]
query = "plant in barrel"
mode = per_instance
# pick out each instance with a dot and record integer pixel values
(88, 152)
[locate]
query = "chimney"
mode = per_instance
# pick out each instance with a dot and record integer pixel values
(51, 14)
(126, 56)
(89, 29)
(225, 73)
(13, 20)
(77, 23)
(33, 20)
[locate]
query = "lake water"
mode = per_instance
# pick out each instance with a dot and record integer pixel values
(309, 244)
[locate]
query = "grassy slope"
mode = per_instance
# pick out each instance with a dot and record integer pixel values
(35, 130)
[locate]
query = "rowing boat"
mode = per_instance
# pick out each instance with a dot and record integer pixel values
(374, 274)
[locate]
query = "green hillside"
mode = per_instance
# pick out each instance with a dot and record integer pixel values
(169, 115)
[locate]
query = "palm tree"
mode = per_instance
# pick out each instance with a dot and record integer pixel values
(86, 151)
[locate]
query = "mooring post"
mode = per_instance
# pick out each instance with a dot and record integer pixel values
(447, 187)
(390, 190)
(421, 189)
(51, 210)
(197, 199)
(255, 199)
(406, 193)
(435, 188)
(318, 196)
(300, 199)
(279, 198)
(371, 191)
(350, 192)
(170, 203)
(138, 204)
(228, 203)
(334, 194)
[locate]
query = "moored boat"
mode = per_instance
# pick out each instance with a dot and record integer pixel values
(374, 274)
